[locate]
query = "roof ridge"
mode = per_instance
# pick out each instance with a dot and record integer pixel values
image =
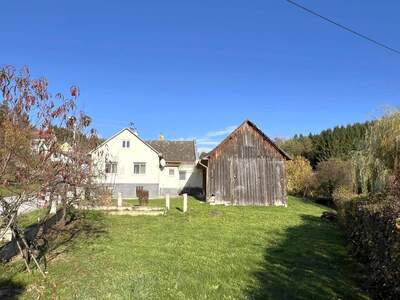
(118, 133)
(175, 150)
(252, 124)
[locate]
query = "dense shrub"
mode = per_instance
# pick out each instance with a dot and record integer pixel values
(372, 230)
(342, 193)
(330, 175)
(341, 196)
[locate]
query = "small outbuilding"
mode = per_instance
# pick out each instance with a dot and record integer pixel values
(247, 168)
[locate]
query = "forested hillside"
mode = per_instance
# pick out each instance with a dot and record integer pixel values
(337, 143)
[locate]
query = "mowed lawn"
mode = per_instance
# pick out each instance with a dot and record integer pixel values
(211, 252)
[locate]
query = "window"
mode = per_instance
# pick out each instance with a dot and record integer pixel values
(171, 172)
(111, 167)
(139, 168)
(125, 144)
(182, 175)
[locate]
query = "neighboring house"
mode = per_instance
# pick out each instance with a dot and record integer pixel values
(247, 168)
(125, 161)
(65, 147)
(39, 146)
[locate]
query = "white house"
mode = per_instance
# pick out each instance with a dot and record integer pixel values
(159, 166)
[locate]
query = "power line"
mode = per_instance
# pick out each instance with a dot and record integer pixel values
(344, 27)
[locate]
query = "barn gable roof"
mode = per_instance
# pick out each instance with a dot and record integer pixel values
(176, 151)
(251, 124)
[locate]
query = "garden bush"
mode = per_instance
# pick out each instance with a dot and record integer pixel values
(342, 193)
(330, 175)
(372, 229)
(341, 196)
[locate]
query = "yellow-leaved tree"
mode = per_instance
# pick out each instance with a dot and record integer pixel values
(299, 176)
(376, 163)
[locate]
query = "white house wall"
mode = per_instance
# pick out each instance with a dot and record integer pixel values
(157, 181)
(173, 185)
(125, 181)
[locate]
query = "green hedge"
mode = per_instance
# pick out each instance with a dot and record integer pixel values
(375, 241)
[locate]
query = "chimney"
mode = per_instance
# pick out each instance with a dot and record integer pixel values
(161, 137)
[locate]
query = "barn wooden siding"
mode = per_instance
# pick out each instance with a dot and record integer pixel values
(247, 169)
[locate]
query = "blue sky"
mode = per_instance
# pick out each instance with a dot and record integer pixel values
(195, 69)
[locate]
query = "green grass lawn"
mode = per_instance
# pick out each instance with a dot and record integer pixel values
(30, 218)
(13, 190)
(6, 192)
(209, 253)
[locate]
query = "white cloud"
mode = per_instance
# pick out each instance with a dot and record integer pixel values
(221, 132)
(206, 141)
(204, 149)
(209, 140)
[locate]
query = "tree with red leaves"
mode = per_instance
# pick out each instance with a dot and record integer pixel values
(33, 162)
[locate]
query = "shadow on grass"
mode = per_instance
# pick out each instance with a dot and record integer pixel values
(9, 250)
(310, 263)
(315, 202)
(86, 225)
(10, 290)
(59, 238)
(200, 198)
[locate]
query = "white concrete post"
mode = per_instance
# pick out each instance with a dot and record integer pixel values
(119, 199)
(185, 203)
(167, 204)
(53, 208)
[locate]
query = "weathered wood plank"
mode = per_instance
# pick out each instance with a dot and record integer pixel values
(247, 170)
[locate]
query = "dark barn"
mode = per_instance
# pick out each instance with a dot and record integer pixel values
(247, 168)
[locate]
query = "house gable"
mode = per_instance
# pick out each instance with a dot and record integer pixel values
(125, 150)
(123, 131)
(125, 161)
